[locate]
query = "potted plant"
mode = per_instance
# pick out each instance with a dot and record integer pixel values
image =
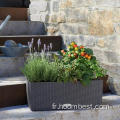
(65, 83)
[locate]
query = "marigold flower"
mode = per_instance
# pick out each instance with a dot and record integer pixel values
(82, 53)
(81, 47)
(89, 57)
(86, 56)
(75, 46)
(72, 43)
(62, 51)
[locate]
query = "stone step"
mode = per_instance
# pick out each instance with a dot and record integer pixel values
(12, 91)
(55, 40)
(23, 28)
(17, 14)
(24, 113)
(11, 66)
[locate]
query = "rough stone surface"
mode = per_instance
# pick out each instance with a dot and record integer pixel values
(114, 85)
(93, 23)
(100, 23)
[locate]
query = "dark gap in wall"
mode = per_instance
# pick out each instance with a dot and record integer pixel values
(15, 3)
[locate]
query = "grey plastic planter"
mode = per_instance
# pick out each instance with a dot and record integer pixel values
(45, 96)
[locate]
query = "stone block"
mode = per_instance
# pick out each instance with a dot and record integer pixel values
(113, 43)
(51, 30)
(42, 17)
(76, 15)
(116, 15)
(87, 41)
(76, 3)
(100, 55)
(74, 28)
(55, 6)
(57, 18)
(113, 68)
(38, 6)
(101, 23)
(52, 18)
(117, 28)
(65, 4)
(108, 3)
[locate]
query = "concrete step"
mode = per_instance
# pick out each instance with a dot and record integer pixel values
(12, 91)
(23, 28)
(17, 14)
(11, 66)
(24, 113)
(55, 40)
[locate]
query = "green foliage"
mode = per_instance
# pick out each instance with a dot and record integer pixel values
(80, 64)
(40, 69)
(77, 64)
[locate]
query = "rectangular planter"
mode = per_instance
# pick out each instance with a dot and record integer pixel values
(45, 96)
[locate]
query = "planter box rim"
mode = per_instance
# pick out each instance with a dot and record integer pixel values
(62, 82)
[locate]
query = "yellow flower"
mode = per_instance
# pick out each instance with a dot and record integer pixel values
(76, 49)
(69, 47)
(72, 43)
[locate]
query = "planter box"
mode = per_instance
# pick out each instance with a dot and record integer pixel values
(50, 95)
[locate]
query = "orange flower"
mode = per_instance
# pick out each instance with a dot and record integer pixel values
(72, 43)
(82, 53)
(81, 47)
(75, 46)
(69, 55)
(76, 55)
(86, 56)
(62, 51)
(89, 57)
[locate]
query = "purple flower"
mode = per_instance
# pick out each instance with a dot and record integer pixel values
(48, 48)
(44, 47)
(51, 46)
(29, 45)
(32, 40)
(39, 43)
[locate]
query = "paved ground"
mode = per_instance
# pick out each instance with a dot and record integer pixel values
(24, 113)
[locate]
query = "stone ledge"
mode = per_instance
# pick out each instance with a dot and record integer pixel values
(24, 113)
(12, 80)
(11, 66)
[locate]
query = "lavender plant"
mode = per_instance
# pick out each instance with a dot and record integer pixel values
(39, 68)
(36, 53)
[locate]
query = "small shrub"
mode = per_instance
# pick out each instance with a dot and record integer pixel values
(79, 64)
(40, 69)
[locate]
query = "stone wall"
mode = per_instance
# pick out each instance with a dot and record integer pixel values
(93, 23)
